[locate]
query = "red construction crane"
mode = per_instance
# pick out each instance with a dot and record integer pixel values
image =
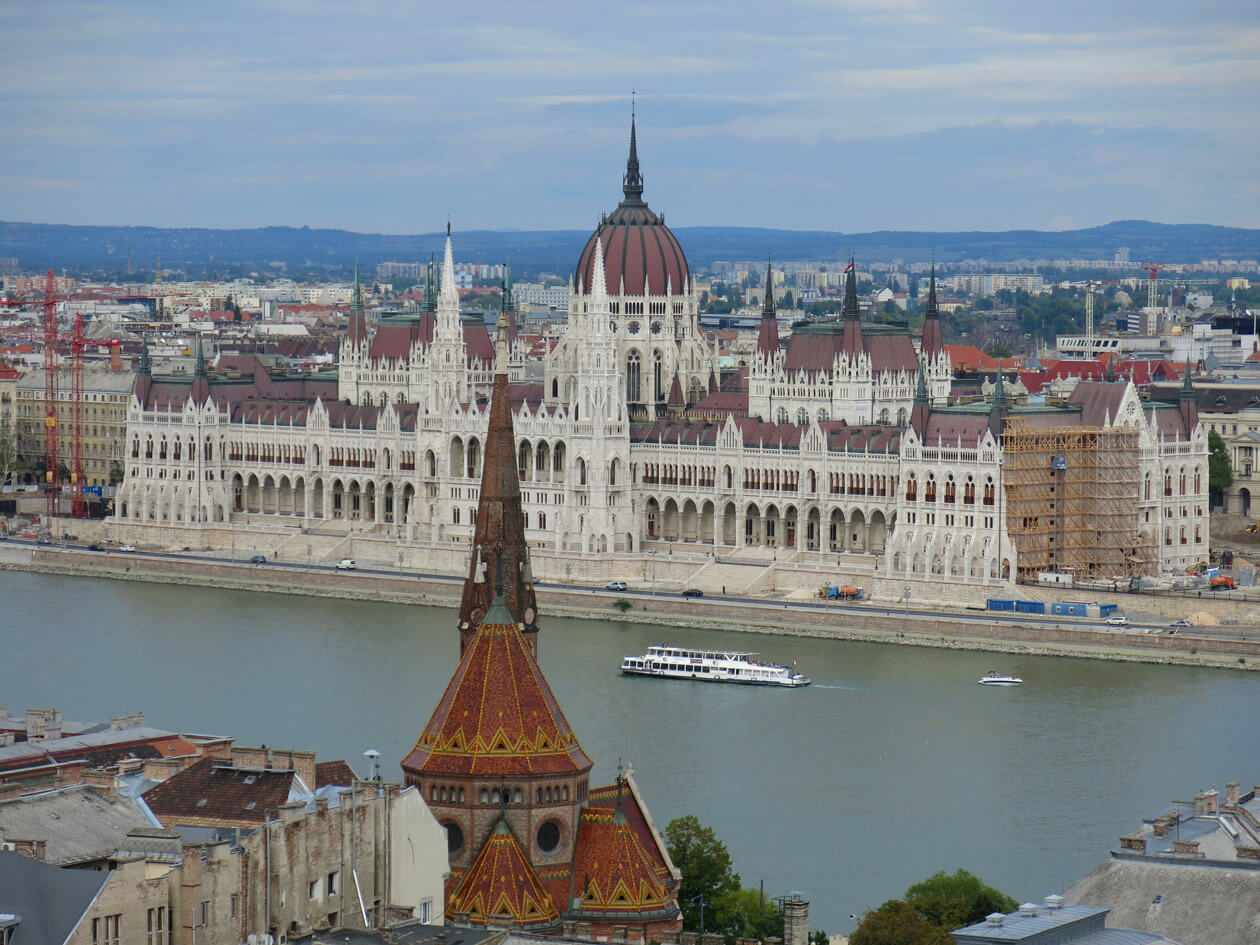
(51, 455)
(77, 344)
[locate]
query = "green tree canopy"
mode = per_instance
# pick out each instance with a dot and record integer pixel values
(1220, 474)
(705, 865)
(744, 913)
(896, 923)
(978, 898)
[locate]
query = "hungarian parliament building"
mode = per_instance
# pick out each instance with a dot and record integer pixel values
(842, 443)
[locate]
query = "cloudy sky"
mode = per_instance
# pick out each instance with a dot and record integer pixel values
(847, 115)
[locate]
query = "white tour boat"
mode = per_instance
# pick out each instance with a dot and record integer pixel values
(675, 662)
(994, 678)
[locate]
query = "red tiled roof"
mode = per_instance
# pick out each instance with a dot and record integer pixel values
(498, 716)
(816, 350)
(214, 793)
(948, 429)
(617, 874)
(502, 885)
(336, 773)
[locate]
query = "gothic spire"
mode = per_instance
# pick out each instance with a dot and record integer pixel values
(1189, 408)
(632, 183)
(199, 369)
(767, 304)
(998, 409)
(503, 332)
(851, 308)
(430, 299)
(358, 325)
(768, 331)
(146, 364)
(852, 342)
(1187, 385)
(933, 343)
(448, 295)
(500, 558)
(598, 290)
(922, 408)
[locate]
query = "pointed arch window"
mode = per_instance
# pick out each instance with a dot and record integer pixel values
(632, 377)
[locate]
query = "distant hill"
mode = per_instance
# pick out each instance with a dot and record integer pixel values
(85, 248)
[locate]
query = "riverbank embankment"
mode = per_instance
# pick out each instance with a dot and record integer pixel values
(908, 627)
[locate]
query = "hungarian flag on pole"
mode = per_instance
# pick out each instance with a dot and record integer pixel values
(849, 267)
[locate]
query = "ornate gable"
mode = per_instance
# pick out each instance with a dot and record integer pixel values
(501, 887)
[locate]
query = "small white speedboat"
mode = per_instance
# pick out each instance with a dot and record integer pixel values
(994, 678)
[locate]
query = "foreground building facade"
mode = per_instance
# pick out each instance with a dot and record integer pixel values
(840, 442)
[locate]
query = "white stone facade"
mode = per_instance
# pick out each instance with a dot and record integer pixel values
(398, 455)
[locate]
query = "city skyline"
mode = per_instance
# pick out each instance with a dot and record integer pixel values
(909, 114)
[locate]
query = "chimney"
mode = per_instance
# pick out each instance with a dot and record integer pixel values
(1231, 792)
(1028, 909)
(1190, 847)
(994, 919)
(1054, 902)
(1211, 803)
(115, 358)
(795, 920)
(1138, 844)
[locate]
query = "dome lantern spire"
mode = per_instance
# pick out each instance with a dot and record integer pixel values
(632, 183)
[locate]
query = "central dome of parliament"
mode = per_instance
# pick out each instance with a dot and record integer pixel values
(641, 255)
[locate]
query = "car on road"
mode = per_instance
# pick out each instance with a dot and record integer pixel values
(346, 564)
(693, 592)
(126, 547)
(96, 546)
(1182, 624)
(258, 559)
(45, 540)
(1117, 620)
(615, 586)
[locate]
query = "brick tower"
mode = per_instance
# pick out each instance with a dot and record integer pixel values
(531, 845)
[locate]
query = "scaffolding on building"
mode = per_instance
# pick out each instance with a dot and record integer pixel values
(1072, 501)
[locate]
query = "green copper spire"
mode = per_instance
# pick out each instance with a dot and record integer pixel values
(1187, 385)
(357, 302)
(921, 391)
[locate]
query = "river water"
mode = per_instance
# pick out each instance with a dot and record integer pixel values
(894, 764)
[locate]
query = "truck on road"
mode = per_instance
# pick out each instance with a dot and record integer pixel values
(840, 592)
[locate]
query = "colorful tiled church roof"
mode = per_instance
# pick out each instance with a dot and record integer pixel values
(617, 875)
(498, 715)
(502, 887)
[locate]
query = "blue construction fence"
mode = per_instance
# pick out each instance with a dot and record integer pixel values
(1056, 609)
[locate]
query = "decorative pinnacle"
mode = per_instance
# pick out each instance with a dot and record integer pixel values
(932, 311)
(767, 305)
(632, 183)
(851, 309)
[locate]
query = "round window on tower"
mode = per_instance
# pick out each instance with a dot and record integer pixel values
(633, 328)
(454, 837)
(656, 328)
(548, 836)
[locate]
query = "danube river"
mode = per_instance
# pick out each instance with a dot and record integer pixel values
(894, 764)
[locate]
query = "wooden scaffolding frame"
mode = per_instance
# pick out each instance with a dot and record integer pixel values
(1072, 501)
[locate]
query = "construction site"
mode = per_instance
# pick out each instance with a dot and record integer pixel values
(1072, 502)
